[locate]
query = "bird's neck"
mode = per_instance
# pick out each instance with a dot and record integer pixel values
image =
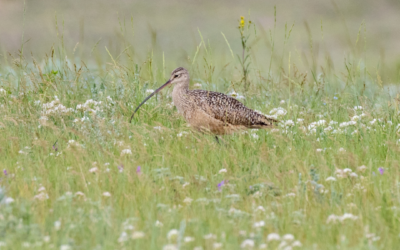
(181, 88)
(179, 95)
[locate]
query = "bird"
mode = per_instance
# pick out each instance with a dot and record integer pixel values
(208, 111)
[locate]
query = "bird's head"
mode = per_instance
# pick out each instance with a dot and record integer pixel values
(179, 76)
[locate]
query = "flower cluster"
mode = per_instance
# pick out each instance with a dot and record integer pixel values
(55, 108)
(337, 218)
(236, 95)
(90, 106)
(287, 241)
(277, 112)
(344, 173)
(42, 195)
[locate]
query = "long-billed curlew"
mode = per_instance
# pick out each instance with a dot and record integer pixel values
(210, 111)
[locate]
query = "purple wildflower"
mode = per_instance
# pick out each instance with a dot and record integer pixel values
(220, 185)
(381, 170)
(5, 172)
(121, 168)
(55, 146)
(138, 170)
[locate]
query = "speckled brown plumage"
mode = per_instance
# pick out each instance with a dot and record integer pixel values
(210, 111)
(213, 111)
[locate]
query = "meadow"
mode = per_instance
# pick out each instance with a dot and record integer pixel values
(77, 175)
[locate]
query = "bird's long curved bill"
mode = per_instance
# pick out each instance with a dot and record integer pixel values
(147, 98)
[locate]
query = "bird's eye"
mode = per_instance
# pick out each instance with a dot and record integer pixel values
(176, 76)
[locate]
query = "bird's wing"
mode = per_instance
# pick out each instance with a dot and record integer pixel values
(229, 110)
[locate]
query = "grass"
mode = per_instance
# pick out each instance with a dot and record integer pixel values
(72, 180)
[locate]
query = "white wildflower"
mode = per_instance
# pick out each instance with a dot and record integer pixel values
(126, 152)
(330, 178)
(348, 216)
(42, 196)
(288, 237)
(159, 224)
(8, 200)
(321, 123)
(255, 136)
(57, 225)
(93, 170)
(170, 247)
(289, 123)
(109, 99)
(346, 124)
(297, 244)
(197, 85)
(362, 168)
(79, 193)
(273, 236)
(149, 91)
(3, 92)
(278, 111)
(247, 244)
(223, 170)
(183, 133)
(260, 208)
(123, 237)
(353, 175)
(217, 245)
(335, 218)
(259, 224)
(89, 106)
(107, 194)
(65, 247)
(319, 150)
(358, 108)
(332, 218)
(333, 123)
(173, 235)
(236, 95)
(138, 235)
(188, 239)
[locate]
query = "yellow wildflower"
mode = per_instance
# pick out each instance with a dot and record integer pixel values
(242, 17)
(242, 23)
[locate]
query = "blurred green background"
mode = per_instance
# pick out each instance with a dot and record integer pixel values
(329, 30)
